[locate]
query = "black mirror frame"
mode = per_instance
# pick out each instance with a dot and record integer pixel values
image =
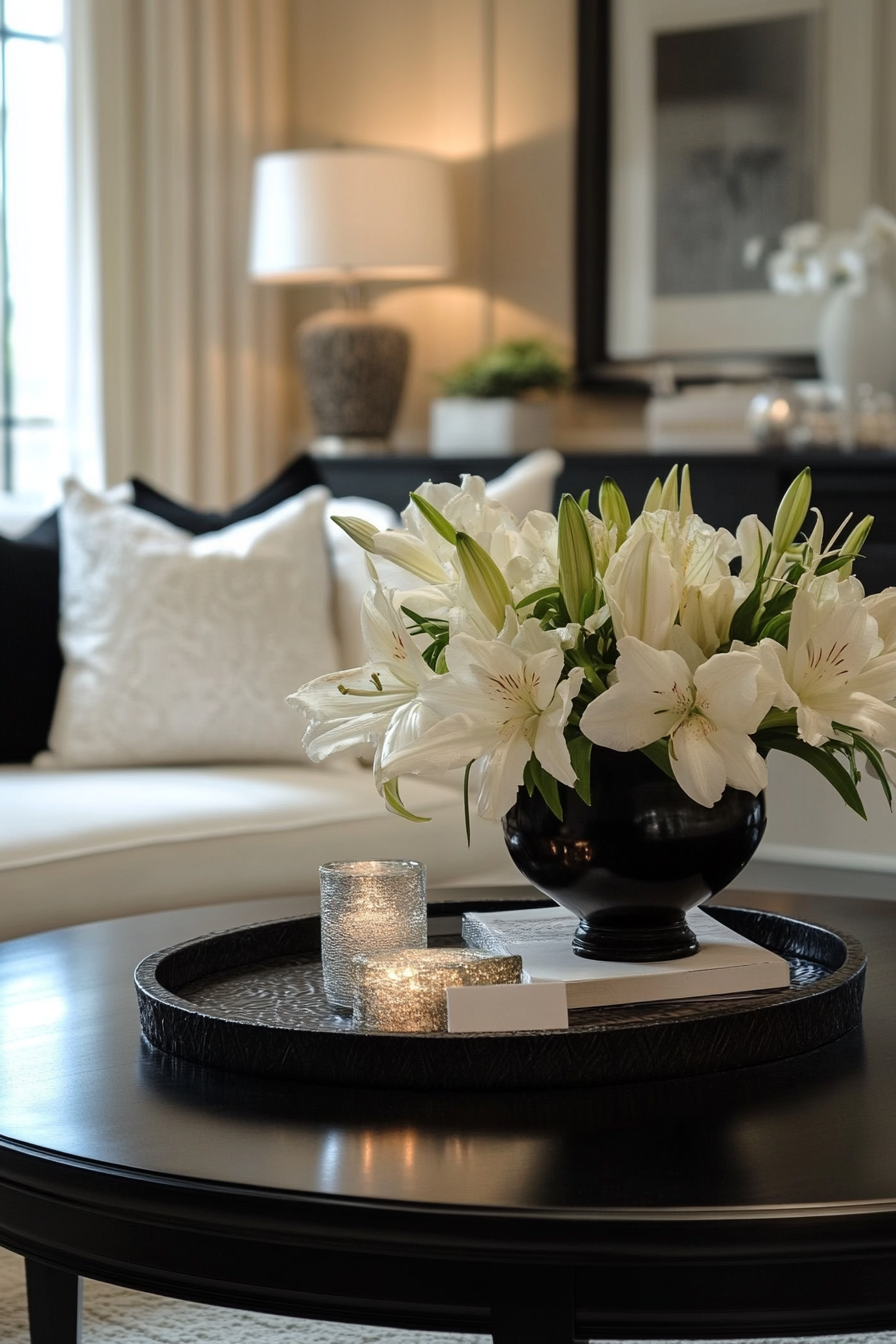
(596, 370)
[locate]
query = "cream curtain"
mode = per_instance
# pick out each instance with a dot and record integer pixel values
(175, 99)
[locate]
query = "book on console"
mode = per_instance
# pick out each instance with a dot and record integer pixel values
(727, 962)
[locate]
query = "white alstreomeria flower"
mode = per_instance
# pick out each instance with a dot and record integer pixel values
(708, 715)
(350, 709)
(500, 702)
(837, 667)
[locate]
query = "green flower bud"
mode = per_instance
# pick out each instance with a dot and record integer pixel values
(360, 531)
(669, 497)
(614, 509)
(576, 554)
(854, 543)
(792, 512)
(435, 519)
(484, 579)
(685, 503)
(654, 495)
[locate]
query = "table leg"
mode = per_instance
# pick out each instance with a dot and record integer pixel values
(533, 1306)
(54, 1304)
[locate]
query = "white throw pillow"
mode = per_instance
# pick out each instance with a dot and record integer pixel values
(528, 484)
(183, 649)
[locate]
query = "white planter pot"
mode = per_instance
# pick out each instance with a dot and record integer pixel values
(857, 337)
(497, 425)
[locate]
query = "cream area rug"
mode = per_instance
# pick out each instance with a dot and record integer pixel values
(118, 1316)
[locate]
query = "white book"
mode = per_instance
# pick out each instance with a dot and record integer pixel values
(727, 963)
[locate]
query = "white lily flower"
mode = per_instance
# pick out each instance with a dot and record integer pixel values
(806, 236)
(835, 666)
(604, 539)
(787, 272)
(708, 716)
(354, 708)
(753, 541)
(882, 606)
(499, 703)
(707, 611)
(699, 553)
(643, 590)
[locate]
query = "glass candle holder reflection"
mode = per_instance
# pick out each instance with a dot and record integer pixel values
(367, 905)
(405, 990)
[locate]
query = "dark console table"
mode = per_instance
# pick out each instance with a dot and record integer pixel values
(758, 1202)
(726, 486)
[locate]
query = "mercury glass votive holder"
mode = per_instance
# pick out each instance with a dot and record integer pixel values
(405, 990)
(367, 905)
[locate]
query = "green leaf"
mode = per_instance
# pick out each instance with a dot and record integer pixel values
(874, 757)
(427, 625)
(467, 800)
(553, 591)
(547, 786)
(434, 518)
(819, 759)
(528, 777)
(658, 752)
(393, 798)
(777, 629)
(835, 562)
(584, 500)
(744, 618)
(580, 756)
(779, 718)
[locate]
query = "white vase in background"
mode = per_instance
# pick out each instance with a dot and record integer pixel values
(857, 337)
(495, 425)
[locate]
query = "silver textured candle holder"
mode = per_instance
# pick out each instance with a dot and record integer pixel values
(367, 905)
(405, 990)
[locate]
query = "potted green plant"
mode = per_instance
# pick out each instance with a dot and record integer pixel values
(499, 401)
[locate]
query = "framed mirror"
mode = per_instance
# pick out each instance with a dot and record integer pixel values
(706, 127)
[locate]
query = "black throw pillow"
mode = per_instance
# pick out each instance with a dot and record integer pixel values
(30, 656)
(297, 476)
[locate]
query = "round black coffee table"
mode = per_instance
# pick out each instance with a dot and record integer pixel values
(750, 1203)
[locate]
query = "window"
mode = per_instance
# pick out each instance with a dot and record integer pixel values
(33, 243)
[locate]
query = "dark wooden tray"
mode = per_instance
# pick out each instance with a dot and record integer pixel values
(251, 1000)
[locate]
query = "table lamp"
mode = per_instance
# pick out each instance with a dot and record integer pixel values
(345, 216)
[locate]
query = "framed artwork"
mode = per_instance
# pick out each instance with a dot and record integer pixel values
(706, 127)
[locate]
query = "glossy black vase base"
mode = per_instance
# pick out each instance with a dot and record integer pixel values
(645, 934)
(631, 863)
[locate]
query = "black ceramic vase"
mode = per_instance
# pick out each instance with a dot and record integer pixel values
(633, 862)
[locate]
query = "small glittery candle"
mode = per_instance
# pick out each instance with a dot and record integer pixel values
(405, 990)
(367, 905)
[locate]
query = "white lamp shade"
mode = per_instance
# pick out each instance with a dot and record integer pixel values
(350, 214)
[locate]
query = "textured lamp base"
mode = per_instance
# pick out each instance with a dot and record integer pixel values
(335, 445)
(354, 366)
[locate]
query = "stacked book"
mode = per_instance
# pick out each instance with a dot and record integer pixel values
(727, 963)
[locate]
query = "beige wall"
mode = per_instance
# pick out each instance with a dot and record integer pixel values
(490, 86)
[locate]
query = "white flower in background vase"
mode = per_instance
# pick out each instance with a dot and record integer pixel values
(857, 328)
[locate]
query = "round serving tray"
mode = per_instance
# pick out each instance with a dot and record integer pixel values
(251, 1000)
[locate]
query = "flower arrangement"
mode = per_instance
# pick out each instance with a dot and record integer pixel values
(510, 369)
(518, 644)
(812, 260)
